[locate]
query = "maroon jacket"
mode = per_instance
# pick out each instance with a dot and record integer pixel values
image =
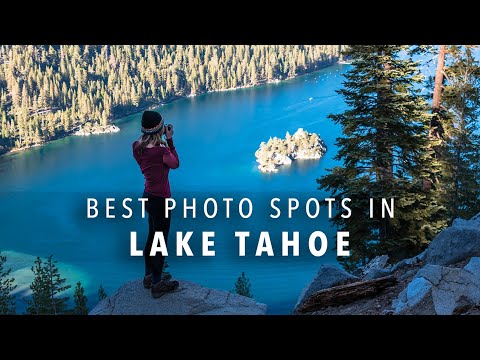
(155, 163)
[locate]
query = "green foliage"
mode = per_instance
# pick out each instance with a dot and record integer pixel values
(242, 286)
(7, 300)
(385, 154)
(300, 145)
(461, 99)
(80, 300)
(47, 91)
(101, 293)
(46, 287)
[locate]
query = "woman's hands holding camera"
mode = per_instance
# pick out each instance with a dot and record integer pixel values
(169, 131)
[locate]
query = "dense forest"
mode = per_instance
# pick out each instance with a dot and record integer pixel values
(421, 149)
(48, 91)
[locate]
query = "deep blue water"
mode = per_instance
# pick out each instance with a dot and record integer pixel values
(44, 191)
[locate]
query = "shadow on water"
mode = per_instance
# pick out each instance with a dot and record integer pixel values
(300, 166)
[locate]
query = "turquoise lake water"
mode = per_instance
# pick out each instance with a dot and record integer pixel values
(44, 191)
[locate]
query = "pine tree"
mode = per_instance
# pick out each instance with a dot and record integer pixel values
(46, 287)
(385, 154)
(461, 176)
(101, 293)
(80, 300)
(242, 286)
(7, 300)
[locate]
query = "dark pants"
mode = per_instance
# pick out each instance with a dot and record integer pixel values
(157, 221)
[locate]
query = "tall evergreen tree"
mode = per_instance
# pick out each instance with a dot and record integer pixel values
(46, 287)
(461, 176)
(7, 300)
(385, 155)
(80, 300)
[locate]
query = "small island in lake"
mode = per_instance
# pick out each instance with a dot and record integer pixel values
(89, 129)
(301, 145)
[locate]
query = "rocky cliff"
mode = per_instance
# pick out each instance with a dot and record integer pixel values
(444, 280)
(189, 299)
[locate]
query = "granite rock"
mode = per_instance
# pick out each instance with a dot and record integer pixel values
(449, 287)
(189, 299)
(376, 268)
(456, 243)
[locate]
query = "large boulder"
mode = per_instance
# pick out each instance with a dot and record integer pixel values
(441, 290)
(327, 276)
(190, 299)
(456, 243)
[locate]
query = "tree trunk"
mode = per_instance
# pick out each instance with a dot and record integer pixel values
(436, 132)
(384, 162)
(436, 128)
(345, 294)
(437, 90)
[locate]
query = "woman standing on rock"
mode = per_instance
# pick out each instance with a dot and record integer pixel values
(155, 158)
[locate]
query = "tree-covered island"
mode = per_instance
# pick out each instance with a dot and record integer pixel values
(277, 152)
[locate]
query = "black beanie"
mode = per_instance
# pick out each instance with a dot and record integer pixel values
(151, 122)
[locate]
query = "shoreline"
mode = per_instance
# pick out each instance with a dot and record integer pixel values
(4, 153)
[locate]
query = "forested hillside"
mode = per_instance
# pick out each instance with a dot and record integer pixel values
(47, 91)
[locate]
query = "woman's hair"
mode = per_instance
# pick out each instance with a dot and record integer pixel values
(147, 139)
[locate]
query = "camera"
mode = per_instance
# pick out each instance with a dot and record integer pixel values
(167, 127)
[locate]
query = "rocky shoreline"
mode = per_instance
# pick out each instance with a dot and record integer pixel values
(95, 130)
(277, 152)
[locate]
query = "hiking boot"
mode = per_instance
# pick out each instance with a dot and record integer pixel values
(162, 287)
(147, 279)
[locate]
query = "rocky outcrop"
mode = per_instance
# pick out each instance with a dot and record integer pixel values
(189, 299)
(327, 277)
(277, 152)
(441, 290)
(458, 242)
(444, 279)
(444, 285)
